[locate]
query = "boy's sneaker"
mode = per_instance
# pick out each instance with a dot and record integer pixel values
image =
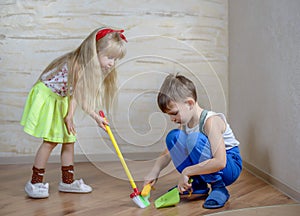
(78, 186)
(38, 190)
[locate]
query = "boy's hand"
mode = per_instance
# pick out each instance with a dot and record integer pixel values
(151, 178)
(183, 183)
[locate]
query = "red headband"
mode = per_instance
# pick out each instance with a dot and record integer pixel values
(104, 32)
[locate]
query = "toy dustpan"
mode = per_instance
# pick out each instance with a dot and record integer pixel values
(171, 198)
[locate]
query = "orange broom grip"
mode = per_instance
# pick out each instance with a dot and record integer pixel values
(119, 153)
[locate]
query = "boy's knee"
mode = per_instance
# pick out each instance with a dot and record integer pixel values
(172, 137)
(198, 147)
(173, 134)
(196, 139)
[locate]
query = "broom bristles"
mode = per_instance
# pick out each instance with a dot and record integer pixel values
(141, 201)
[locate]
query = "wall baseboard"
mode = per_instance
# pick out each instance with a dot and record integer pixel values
(82, 158)
(292, 193)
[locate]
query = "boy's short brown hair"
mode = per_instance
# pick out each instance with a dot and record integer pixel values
(175, 88)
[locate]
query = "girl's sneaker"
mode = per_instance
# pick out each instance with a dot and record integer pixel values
(38, 190)
(78, 186)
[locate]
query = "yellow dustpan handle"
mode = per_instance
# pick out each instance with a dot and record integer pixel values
(119, 153)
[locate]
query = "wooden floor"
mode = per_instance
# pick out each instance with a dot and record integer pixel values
(111, 195)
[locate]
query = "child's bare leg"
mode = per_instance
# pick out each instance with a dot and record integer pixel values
(68, 183)
(40, 161)
(43, 154)
(67, 162)
(67, 154)
(36, 188)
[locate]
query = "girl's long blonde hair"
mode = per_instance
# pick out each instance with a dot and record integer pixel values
(91, 87)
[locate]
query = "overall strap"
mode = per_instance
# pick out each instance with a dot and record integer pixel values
(201, 121)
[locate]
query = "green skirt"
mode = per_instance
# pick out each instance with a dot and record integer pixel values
(44, 113)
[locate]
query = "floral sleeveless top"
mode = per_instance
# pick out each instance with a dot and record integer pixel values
(58, 83)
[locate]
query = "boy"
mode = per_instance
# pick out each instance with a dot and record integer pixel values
(204, 148)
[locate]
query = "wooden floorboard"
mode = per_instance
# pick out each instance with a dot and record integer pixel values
(111, 194)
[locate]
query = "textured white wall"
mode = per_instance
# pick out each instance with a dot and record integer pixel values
(163, 37)
(264, 86)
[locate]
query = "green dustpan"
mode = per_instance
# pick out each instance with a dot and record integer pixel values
(171, 198)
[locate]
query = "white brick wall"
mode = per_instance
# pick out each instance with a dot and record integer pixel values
(163, 36)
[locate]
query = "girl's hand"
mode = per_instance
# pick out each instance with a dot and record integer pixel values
(183, 183)
(101, 121)
(70, 125)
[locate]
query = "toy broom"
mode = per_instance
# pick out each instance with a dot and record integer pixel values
(141, 201)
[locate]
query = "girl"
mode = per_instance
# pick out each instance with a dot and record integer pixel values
(84, 77)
